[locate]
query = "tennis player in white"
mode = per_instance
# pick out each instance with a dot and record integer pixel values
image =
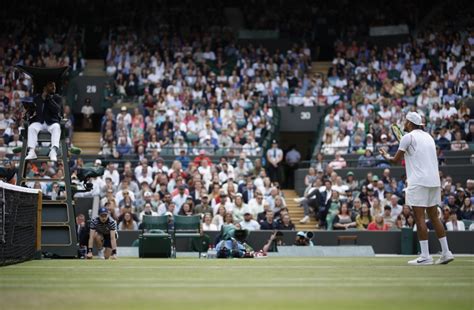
(424, 188)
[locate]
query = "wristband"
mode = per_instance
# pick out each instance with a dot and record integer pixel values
(89, 250)
(114, 252)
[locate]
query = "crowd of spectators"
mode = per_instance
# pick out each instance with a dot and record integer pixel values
(250, 202)
(342, 202)
(199, 95)
(312, 20)
(30, 38)
(196, 92)
(371, 88)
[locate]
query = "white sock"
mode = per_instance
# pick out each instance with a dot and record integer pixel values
(444, 245)
(425, 251)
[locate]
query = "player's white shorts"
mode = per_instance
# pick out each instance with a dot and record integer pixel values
(422, 196)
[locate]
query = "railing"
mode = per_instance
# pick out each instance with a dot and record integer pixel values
(345, 149)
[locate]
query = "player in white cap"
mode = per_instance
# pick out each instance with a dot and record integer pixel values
(424, 187)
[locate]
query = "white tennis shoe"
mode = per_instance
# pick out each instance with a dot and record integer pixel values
(421, 261)
(445, 259)
(31, 155)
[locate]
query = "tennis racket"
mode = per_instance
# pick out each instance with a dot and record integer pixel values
(397, 132)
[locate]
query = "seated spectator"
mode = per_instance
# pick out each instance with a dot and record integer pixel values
(378, 224)
(351, 181)
(369, 143)
(257, 204)
(123, 147)
(338, 162)
(285, 223)
(466, 212)
(319, 164)
(342, 143)
(364, 218)
(204, 207)
(332, 211)
(458, 144)
(249, 223)
(328, 146)
(218, 219)
(310, 177)
(269, 223)
(147, 210)
(376, 207)
(344, 219)
(443, 139)
(207, 224)
(186, 209)
(357, 146)
(128, 223)
(387, 216)
(366, 160)
(454, 224)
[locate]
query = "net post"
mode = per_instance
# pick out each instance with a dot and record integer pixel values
(38, 225)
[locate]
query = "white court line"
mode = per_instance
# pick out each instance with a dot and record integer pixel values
(315, 278)
(111, 266)
(229, 285)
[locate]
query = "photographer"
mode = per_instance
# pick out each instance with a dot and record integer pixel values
(45, 114)
(304, 239)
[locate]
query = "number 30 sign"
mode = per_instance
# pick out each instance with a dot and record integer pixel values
(305, 115)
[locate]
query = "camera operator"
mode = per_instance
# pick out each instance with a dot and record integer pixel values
(304, 239)
(45, 114)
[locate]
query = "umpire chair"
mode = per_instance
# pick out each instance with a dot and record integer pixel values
(58, 226)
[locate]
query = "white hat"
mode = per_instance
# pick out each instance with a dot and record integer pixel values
(301, 234)
(98, 162)
(414, 117)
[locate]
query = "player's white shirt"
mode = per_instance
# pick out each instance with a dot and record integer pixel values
(421, 160)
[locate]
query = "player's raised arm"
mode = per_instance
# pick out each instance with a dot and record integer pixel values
(395, 159)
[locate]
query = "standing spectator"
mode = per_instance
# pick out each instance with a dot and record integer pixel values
(292, 159)
(274, 159)
(87, 111)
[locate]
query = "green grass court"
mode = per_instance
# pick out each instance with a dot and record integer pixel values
(271, 283)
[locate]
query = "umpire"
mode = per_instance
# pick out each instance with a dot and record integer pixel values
(103, 230)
